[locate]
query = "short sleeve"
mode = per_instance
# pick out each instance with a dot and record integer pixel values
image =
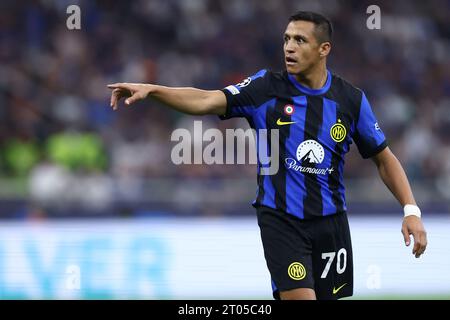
(244, 97)
(368, 136)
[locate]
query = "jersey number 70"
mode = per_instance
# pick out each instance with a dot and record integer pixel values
(341, 259)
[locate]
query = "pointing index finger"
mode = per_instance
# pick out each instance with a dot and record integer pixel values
(120, 85)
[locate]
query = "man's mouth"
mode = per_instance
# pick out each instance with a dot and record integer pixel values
(290, 61)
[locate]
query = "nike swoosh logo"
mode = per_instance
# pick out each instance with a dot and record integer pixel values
(337, 290)
(283, 123)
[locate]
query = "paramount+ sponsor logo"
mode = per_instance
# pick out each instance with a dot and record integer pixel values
(309, 154)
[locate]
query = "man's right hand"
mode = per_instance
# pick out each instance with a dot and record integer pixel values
(187, 100)
(133, 92)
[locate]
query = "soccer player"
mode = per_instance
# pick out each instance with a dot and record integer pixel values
(301, 209)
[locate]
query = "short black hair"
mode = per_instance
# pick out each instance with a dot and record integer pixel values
(323, 27)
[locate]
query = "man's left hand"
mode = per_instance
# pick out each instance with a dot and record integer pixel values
(413, 225)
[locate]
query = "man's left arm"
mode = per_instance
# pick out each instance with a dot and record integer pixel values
(394, 177)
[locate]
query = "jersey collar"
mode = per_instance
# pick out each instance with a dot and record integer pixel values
(310, 91)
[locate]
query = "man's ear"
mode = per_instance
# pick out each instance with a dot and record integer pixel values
(324, 49)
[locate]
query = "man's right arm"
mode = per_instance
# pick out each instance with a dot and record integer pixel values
(187, 100)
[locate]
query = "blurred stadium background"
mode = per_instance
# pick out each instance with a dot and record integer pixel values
(91, 205)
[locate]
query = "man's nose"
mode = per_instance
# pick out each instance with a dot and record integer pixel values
(290, 50)
(289, 47)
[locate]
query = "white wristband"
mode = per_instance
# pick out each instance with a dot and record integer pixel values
(412, 210)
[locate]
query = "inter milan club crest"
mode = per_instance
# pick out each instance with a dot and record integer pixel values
(289, 109)
(338, 131)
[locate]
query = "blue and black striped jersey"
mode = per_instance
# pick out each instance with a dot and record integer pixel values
(316, 128)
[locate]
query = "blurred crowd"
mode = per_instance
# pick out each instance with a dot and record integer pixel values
(60, 142)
